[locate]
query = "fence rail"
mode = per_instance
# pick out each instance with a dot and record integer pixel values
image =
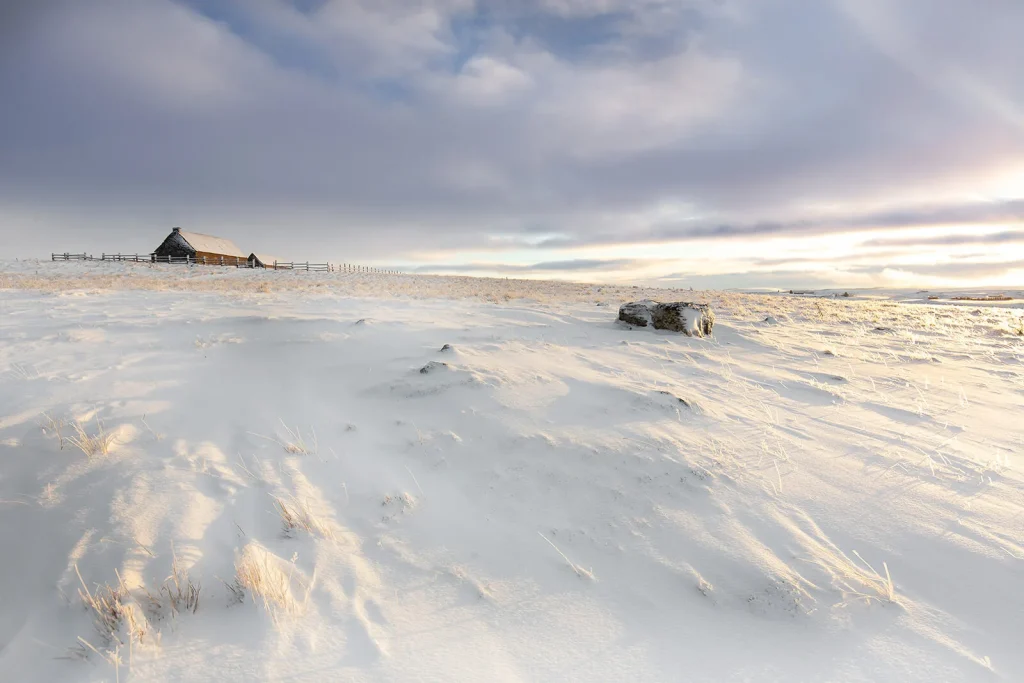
(229, 261)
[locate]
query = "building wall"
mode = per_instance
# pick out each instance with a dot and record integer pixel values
(215, 258)
(175, 245)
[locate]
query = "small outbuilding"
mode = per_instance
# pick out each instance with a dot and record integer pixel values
(201, 248)
(262, 261)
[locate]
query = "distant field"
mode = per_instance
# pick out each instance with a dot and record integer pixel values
(217, 474)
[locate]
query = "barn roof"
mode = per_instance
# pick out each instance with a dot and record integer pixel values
(211, 244)
(265, 259)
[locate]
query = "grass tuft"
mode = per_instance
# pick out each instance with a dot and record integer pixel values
(56, 427)
(296, 515)
(91, 444)
(295, 442)
(182, 593)
(860, 582)
(262, 574)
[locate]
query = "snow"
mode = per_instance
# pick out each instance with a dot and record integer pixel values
(210, 244)
(836, 495)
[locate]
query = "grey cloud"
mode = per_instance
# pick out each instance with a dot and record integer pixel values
(1004, 237)
(545, 266)
(976, 212)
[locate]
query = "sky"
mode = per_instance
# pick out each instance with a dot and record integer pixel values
(705, 143)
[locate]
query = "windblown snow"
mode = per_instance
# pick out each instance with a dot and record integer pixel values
(229, 475)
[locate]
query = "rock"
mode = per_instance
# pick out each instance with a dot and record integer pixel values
(693, 320)
(637, 313)
(680, 400)
(770, 320)
(447, 347)
(433, 366)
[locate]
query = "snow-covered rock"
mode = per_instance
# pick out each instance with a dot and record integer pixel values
(693, 320)
(637, 312)
(433, 366)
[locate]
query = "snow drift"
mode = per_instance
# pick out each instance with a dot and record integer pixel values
(221, 476)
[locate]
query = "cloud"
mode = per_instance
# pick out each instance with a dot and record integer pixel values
(386, 129)
(845, 260)
(975, 212)
(574, 265)
(956, 270)
(772, 279)
(957, 239)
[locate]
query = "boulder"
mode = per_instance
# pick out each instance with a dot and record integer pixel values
(433, 366)
(637, 313)
(693, 320)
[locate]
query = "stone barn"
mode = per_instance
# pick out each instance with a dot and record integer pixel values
(208, 248)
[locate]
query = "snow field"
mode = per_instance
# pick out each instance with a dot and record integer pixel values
(227, 475)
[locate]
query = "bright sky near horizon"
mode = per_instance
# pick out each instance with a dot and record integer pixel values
(718, 143)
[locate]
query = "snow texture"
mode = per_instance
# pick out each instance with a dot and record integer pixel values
(212, 245)
(562, 499)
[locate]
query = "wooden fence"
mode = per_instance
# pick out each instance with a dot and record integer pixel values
(228, 261)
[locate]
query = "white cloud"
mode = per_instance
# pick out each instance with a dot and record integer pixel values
(485, 80)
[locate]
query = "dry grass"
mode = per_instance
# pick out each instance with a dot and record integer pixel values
(580, 571)
(858, 581)
(271, 580)
(182, 593)
(112, 609)
(295, 442)
(261, 473)
(156, 436)
(116, 606)
(91, 444)
(55, 427)
(295, 514)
